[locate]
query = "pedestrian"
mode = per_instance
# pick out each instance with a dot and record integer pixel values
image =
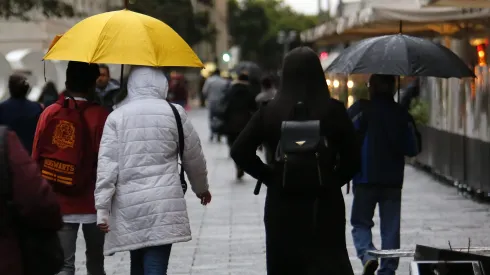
(305, 229)
(31, 198)
(49, 94)
(268, 92)
(178, 91)
(139, 196)
(388, 134)
(240, 106)
(66, 146)
(19, 113)
(107, 88)
(214, 90)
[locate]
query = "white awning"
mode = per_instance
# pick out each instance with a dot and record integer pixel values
(457, 3)
(380, 20)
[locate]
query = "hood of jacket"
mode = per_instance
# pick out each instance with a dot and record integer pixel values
(147, 83)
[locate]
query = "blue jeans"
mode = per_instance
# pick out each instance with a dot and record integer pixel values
(150, 260)
(389, 202)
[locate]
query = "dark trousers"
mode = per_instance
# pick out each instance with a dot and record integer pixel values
(151, 260)
(94, 241)
(388, 200)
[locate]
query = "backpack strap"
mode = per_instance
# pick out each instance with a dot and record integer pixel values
(180, 130)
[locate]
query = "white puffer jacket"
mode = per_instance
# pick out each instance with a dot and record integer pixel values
(138, 176)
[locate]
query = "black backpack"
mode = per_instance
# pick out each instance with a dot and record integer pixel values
(41, 250)
(300, 150)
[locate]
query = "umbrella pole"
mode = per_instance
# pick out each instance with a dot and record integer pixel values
(126, 4)
(121, 79)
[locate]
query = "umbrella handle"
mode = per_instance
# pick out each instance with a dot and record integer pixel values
(126, 4)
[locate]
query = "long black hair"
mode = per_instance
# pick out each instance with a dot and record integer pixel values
(302, 77)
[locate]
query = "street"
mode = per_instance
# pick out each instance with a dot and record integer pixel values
(228, 234)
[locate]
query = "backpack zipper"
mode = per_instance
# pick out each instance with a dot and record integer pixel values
(318, 168)
(284, 171)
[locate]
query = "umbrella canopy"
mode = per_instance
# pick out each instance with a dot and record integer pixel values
(400, 55)
(124, 37)
(253, 70)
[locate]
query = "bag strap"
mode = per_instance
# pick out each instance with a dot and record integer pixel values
(180, 130)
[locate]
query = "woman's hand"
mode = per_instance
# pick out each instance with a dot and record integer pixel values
(205, 197)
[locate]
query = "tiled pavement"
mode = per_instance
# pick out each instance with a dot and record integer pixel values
(228, 234)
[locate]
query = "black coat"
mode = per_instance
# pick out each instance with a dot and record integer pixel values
(240, 106)
(291, 246)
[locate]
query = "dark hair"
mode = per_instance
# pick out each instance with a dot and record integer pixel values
(217, 72)
(267, 82)
(302, 77)
(104, 66)
(243, 77)
(379, 83)
(81, 77)
(18, 85)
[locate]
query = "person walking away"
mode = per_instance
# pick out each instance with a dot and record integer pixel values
(139, 196)
(388, 134)
(214, 90)
(304, 209)
(178, 91)
(32, 199)
(268, 92)
(19, 113)
(49, 94)
(240, 106)
(66, 145)
(107, 88)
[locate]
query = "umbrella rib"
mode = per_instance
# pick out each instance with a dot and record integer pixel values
(96, 48)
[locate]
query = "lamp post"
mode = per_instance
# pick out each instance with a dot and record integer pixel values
(286, 38)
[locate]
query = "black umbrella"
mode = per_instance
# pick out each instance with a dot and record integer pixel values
(254, 71)
(400, 55)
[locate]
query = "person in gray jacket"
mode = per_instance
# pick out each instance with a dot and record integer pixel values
(214, 90)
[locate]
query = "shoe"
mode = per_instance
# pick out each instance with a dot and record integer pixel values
(370, 267)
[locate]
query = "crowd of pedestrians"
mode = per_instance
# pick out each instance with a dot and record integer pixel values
(104, 157)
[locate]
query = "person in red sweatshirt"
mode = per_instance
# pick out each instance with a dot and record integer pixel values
(35, 202)
(79, 209)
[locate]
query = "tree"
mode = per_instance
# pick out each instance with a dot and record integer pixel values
(21, 8)
(254, 26)
(178, 14)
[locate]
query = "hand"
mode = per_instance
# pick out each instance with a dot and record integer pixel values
(104, 227)
(205, 197)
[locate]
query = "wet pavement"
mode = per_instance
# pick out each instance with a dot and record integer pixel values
(228, 234)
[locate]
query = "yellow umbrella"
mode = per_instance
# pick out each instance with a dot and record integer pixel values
(124, 37)
(55, 39)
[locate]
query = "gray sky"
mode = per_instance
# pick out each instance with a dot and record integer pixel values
(307, 6)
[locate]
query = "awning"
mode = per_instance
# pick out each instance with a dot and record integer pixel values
(457, 3)
(378, 20)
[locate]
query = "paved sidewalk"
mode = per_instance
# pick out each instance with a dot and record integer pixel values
(228, 234)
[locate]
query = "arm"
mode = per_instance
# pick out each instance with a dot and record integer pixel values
(107, 170)
(32, 196)
(349, 157)
(193, 160)
(245, 147)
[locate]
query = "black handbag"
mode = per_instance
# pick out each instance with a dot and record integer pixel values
(180, 130)
(42, 253)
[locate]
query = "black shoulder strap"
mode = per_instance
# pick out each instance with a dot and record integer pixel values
(180, 130)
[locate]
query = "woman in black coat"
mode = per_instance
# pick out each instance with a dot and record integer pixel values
(291, 246)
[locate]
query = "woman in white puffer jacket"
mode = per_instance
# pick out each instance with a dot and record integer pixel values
(139, 197)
